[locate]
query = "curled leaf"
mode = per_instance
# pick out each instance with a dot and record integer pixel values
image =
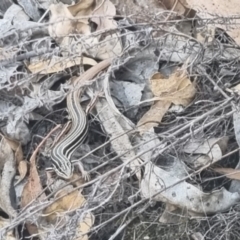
(70, 202)
(8, 172)
(177, 89)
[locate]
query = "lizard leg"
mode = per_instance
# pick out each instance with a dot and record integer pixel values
(84, 173)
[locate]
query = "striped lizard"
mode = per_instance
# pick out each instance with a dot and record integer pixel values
(62, 152)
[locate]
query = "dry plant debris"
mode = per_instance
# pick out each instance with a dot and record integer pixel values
(220, 8)
(8, 171)
(70, 202)
(158, 132)
(178, 90)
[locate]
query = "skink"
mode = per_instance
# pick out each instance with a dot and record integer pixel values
(62, 152)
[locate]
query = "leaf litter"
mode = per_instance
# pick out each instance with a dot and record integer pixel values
(163, 119)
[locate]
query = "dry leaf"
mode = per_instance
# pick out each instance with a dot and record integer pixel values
(236, 124)
(197, 236)
(16, 147)
(58, 64)
(214, 148)
(32, 228)
(70, 202)
(32, 188)
(229, 172)
(177, 89)
(111, 45)
(235, 89)
(22, 169)
(173, 214)
(164, 186)
(8, 54)
(76, 181)
(82, 8)
(153, 116)
(198, 161)
(4, 223)
(206, 35)
(8, 170)
(107, 9)
(120, 141)
(63, 23)
(84, 227)
(19, 154)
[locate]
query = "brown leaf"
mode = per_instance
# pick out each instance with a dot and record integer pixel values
(77, 181)
(161, 85)
(19, 154)
(177, 88)
(154, 116)
(106, 8)
(84, 227)
(12, 143)
(110, 45)
(32, 190)
(63, 22)
(22, 169)
(60, 21)
(8, 171)
(82, 8)
(55, 64)
(229, 172)
(16, 147)
(33, 187)
(32, 228)
(70, 202)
